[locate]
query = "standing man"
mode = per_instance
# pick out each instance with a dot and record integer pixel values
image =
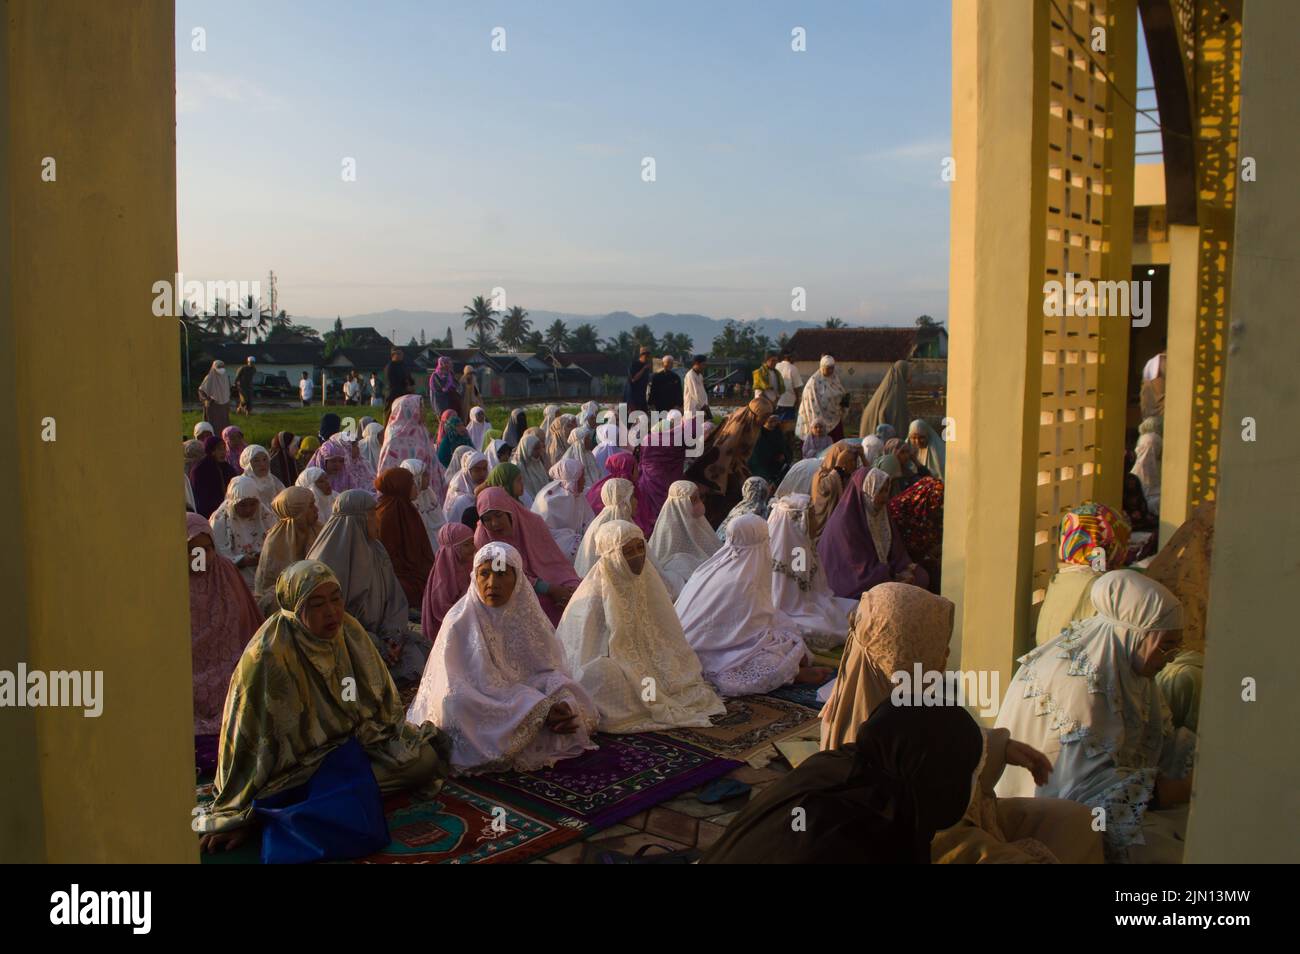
(696, 397)
(787, 404)
(638, 378)
(767, 380)
(666, 387)
(305, 389)
(397, 378)
(244, 382)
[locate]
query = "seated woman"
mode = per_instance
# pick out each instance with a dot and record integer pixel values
(861, 547)
(755, 498)
(899, 628)
(682, 538)
(918, 514)
(879, 800)
(816, 441)
(451, 434)
(833, 475)
(287, 543)
(469, 468)
(223, 618)
(745, 644)
(618, 497)
(623, 466)
(1094, 539)
(478, 427)
(504, 519)
(402, 532)
(286, 709)
(928, 446)
(496, 681)
(256, 463)
(449, 578)
(662, 461)
(315, 480)
(240, 526)
(624, 644)
(563, 505)
(343, 464)
(497, 452)
(912, 471)
(529, 458)
(580, 444)
(768, 458)
(1088, 700)
(427, 503)
(799, 588)
(349, 545)
(510, 479)
(371, 443)
(210, 477)
(607, 446)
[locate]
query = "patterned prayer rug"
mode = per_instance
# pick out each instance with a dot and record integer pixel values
(626, 775)
(750, 724)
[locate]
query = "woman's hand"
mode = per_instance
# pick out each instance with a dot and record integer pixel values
(562, 720)
(215, 841)
(1028, 757)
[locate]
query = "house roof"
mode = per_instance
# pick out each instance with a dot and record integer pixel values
(595, 363)
(854, 344)
(268, 353)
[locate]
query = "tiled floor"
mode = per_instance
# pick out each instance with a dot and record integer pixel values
(682, 822)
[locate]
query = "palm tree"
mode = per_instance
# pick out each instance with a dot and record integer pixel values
(557, 336)
(584, 339)
(483, 340)
(514, 328)
(481, 318)
(834, 323)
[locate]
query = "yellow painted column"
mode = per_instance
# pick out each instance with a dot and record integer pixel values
(995, 321)
(1180, 364)
(95, 573)
(1244, 798)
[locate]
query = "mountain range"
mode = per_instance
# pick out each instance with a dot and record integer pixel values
(401, 326)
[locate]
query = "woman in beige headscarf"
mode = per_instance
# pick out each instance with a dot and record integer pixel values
(470, 396)
(214, 392)
(723, 466)
(557, 438)
(898, 628)
(829, 482)
(287, 543)
(889, 404)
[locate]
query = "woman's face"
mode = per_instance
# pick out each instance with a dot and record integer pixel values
(246, 509)
(219, 452)
(537, 451)
(333, 466)
(322, 613)
(494, 588)
(580, 483)
(517, 488)
(1156, 650)
(827, 370)
(465, 551)
(323, 485)
(881, 498)
(203, 542)
(918, 439)
(261, 465)
(634, 553)
(309, 515)
(497, 521)
(697, 505)
(478, 473)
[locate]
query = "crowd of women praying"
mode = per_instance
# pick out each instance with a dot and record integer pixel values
(522, 590)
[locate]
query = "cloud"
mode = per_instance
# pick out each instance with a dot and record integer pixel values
(195, 90)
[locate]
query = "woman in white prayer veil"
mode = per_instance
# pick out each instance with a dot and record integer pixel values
(478, 427)
(240, 526)
(493, 452)
(682, 538)
(496, 681)
(563, 505)
(618, 496)
(528, 458)
(429, 507)
(799, 478)
(454, 467)
(457, 506)
(745, 644)
(256, 463)
(606, 445)
(467, 477)
(578, 450)
(799, 587)
(371, 443)
(1088, 700)
(587, 415)
(349, 545)
(315, 480)
(549, 414)
(620, 629)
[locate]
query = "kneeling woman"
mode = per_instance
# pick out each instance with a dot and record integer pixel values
(861, 546)
(626, 647)
(309, 680)
(496, 680)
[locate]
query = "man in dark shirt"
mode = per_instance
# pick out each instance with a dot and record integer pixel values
(244, 381)
(666, 388)
(397, 378)
(638, 378)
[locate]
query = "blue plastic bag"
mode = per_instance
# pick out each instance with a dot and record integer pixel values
(336, 814)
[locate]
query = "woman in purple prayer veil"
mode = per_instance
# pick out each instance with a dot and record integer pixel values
(444, 394)
(861, 546)
(663, 461)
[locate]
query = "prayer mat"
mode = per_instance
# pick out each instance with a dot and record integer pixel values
(625, 776)
(750, 724)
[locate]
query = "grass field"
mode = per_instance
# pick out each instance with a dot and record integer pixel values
(267, 421)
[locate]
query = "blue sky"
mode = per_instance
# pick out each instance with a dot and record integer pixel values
(522, 169)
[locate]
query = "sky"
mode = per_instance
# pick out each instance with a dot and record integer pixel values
(523, 169)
